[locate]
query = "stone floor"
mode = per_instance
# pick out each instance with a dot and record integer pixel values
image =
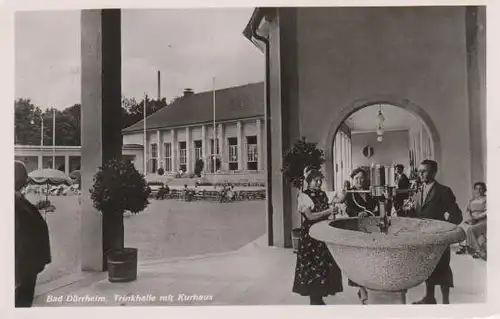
(253, 275)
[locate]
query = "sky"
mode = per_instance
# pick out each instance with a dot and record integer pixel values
(188, 46)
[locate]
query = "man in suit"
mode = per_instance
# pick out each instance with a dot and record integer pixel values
(436, 201)
(32, 247)
(402, 182)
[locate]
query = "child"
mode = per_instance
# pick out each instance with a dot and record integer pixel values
(316, 273)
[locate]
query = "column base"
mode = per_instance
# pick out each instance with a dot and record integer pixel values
(377, 297)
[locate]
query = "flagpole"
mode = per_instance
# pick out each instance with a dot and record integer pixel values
(145, 158)
(215, 150)
(53, 138)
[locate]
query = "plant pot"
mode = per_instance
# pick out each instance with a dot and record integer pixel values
(295, 239)
(122, 265)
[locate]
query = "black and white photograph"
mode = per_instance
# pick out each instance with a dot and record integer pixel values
(251, 156)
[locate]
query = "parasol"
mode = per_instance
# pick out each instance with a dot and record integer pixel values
(48, 176)
(75, 175)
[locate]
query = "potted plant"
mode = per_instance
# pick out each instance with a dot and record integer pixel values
(118, 187)
(303, 154)
(160, 171)
(198, 167)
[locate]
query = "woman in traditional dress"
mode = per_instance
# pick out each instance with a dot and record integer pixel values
(316, 274)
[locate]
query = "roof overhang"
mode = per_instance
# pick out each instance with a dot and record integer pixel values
(259, 24)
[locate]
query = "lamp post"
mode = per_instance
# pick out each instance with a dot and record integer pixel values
(145, 140)
(32, 122)
(53, 138)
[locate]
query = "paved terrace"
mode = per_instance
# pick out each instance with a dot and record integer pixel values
(253, 275)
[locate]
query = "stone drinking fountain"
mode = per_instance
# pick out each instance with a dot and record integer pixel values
(387, 255)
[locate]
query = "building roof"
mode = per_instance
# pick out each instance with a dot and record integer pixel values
(233, 103)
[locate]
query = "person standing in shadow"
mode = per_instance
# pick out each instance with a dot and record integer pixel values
(436, 201)
(402, 182)
(32, 245)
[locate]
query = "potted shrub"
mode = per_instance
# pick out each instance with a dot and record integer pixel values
(303, 154)
(119, 187)
(198, 167)
(160, 171)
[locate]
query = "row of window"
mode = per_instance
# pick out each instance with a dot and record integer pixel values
(252, 155)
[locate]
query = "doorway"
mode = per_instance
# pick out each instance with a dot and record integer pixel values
(381, 133)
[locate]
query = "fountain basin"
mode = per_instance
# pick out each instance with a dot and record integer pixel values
(399, 260)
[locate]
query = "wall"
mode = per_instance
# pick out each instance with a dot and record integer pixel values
(418, 54)
(230, 130)
(139, 158)
(393, 149)
(135, 138)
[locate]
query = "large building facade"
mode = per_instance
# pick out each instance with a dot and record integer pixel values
(182, 134)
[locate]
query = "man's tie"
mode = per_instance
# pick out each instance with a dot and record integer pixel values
(422, 195)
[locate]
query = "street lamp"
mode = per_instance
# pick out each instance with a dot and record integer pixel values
(41, 128)
(53, 135)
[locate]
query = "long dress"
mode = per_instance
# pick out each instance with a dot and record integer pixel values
(316, 272)
(353, 201)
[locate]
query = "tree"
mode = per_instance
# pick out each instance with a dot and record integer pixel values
(28, 124)
(26, 113)
(133, 111)
(118, 187)
(68, 121)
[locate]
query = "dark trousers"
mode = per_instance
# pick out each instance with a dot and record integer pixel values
(25, 291)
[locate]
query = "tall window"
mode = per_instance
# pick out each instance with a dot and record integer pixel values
(154, 158)
(233, 153)
(342, 155)
(197, 150)
(252, 156)
(182, 156)
(168, 157)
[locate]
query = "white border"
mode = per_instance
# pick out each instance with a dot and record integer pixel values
(7, 235)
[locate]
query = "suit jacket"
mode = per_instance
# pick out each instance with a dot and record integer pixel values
(32, 245)
(439, 200)
(403, 182)
(353, 199)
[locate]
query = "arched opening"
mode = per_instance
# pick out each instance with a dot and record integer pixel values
(383, 130)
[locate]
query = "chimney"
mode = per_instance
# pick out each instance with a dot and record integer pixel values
(159, 85)
(188, 92)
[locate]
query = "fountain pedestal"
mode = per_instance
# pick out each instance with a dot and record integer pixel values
(377, 297)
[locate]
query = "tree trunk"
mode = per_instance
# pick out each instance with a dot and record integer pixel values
(113, 233)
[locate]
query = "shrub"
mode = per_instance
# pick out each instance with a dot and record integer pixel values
(198, 167)
(118, 187)
(303, 154)
(161, 171)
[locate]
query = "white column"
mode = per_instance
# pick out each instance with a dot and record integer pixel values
(66, 164)
(260, 163)
(204, 147)
(159, 140)
(40, 161)
(175, 153)
(239, 128)
(189, 148)
(222, 148)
